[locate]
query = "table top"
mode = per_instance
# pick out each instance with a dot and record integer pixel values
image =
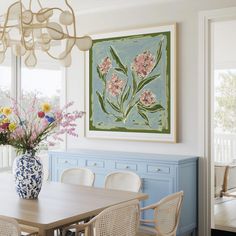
(59, 204)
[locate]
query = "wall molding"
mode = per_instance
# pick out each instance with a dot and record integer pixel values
(204, 94)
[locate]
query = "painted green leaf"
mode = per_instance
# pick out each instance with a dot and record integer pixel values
(134, 83)
(130, 108)
(152, 109)
(120, 70)
(143, 115)
(100, 75)
(126, 95)
(101, 102)
(115, 107)
(119, 119)
(146, 81)
(159, 53)
(158, 56)
(118, 60)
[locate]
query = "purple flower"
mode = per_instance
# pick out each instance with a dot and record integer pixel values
(143, 64)
(105, 66)
(115, 85)
(147, 98)
(50, 119)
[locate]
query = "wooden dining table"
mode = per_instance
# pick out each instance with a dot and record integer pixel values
(58, 204)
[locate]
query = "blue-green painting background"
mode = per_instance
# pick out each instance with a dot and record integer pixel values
(128, 48)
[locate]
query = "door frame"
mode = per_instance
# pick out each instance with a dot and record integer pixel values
(206, 170)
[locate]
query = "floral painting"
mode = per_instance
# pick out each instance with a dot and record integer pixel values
(130, 86)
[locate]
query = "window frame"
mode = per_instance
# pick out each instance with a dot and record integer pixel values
(15, 93)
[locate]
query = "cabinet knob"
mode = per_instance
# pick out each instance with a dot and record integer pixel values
(94, 164)
(127, 167)
(158, 169)
(65, 162)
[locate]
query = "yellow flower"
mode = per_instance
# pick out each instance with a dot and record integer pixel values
(1, 109)
(6, 111)
(46, 107)
(12, 126)
(6, 120)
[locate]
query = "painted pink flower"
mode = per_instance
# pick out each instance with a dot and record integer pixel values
(105, 66)
(115, 85)
(147, 98)
(143, 64)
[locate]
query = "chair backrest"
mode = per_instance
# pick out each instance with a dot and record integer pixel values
(167, 214)
(229, 179)
(118, 220)
(9, 227)
(80, 176)
(123, 180)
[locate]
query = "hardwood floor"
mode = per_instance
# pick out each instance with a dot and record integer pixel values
(225, 215)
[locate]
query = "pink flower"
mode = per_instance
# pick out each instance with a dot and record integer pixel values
(115, 85)
(147, 98)
(105, 66)
(143, 64)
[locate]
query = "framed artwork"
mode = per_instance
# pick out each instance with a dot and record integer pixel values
(131, 85)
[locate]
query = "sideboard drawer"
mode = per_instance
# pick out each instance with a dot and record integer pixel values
(66, 162)
(98, 164)
(125, 166)
(158, 169)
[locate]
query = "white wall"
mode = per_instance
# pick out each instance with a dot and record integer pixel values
(121, 17)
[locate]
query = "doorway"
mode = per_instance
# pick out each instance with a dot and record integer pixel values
(223, 120)
(207, 186)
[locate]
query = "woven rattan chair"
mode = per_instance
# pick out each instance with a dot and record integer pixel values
(118, 220)
(166, 216)
(123, 180)
(10, 227)
(80, 176)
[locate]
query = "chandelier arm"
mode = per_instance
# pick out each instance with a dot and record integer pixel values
(73, 16)
(21, 30)
(30, 5)
(49, 9)
(7, 18)
(61, 58)
(8, 26)
(40, 5)
(67, 31)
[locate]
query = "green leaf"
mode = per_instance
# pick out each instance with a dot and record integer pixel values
(143, 115)
(130, 108)
(100, 75)
(159, 55)
(101, 102)
(118, 119)
(115, 107)
(134, 83)
(146, 81)
(115, 56)
(125, 97)
(120, 70)
(152, 109)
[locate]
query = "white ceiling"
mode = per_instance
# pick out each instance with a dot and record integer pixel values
(86, 5)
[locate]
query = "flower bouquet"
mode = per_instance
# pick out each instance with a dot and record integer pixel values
(28, 130)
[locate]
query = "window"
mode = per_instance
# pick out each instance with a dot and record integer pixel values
(44, 81)
(5, 93)
(5, 81)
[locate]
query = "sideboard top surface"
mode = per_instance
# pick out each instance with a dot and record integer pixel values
(125, 155)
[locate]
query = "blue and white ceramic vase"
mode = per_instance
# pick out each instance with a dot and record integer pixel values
(28, 175)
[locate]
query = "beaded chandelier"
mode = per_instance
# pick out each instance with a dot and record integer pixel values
(27, 29)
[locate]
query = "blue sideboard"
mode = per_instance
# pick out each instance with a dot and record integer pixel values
(161, 175)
